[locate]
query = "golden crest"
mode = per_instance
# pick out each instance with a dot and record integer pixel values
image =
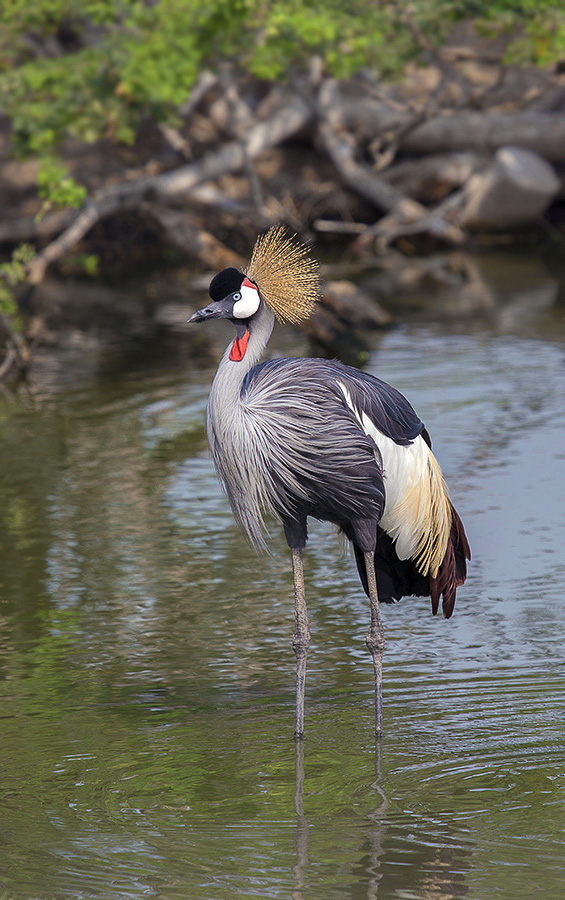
(286, 275)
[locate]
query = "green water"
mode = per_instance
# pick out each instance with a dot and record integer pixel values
(147, 676)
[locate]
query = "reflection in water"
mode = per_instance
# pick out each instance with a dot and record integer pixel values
(146, 686)
(430, 866)
(301, 833)
(376, 834)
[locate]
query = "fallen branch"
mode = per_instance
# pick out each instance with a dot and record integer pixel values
(434, 223)
(288, 113)
(542, 133)
(205, 83)
(403, 211)
(290, 116)
(341, 149)
(429, 179)
(330, 227)
(361, 179)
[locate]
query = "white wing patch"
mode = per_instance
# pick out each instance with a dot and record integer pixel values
(417, 513)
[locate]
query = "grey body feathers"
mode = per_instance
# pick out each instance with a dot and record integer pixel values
(285, 441)
(297, 452)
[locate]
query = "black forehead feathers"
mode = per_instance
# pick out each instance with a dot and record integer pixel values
(225, 282)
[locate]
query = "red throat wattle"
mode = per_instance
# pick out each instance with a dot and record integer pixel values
(239, 347)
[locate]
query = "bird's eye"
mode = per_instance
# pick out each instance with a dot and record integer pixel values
(237, 296)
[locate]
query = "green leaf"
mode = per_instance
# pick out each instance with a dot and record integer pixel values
(57, 187)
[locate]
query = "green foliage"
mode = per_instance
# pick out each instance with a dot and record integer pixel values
(348, 37)
(125, 61)
(57, 187)
(93, 68)
(90, 264)
(85, 263)
(536, 28)
(13, 273)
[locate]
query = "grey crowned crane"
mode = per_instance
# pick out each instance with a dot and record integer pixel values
(310, 437)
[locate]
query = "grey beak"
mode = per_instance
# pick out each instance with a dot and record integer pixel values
(216, 310)
(201, 315)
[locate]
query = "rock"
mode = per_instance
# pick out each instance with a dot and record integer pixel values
(516, 189)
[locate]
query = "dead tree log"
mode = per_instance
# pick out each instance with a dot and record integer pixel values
(542, 133)
(430, 179)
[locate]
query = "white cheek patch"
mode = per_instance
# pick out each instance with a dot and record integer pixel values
(249, 303)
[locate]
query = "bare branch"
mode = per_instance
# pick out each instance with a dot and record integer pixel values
(205, 83)
(360, 178)
(176, 140)
(405, 215)
(285, 121)
(331, 227)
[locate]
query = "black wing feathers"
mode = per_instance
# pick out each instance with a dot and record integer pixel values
(388, 408)
(453, 570)
(396, 578)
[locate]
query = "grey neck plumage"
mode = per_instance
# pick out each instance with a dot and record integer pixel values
(226, 388)
(232, 435)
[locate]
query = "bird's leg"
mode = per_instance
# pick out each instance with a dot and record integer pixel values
(301, 640)
(375, 640)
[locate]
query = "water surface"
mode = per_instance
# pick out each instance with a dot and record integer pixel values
(147, 676)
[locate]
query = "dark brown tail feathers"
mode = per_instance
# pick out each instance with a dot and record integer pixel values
(453, 569)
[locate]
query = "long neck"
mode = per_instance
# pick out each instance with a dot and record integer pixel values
(226, 388)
